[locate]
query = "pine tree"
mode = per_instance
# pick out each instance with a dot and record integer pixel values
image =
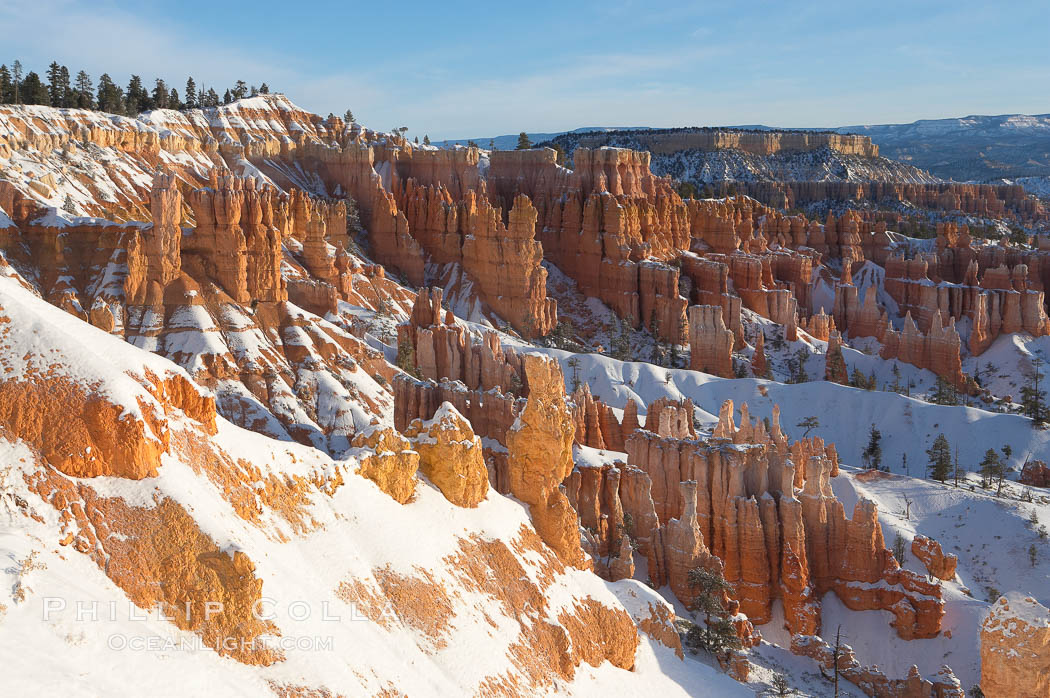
(83, 92)
(405, 357)
(227, 97)
(426, 139)
(56, 89)
(574, 364)
(944, 393)
(940, 454)
(559, 155)
(809, 423)
(264, 89)
(523, 141)
(66, 97)
(34, 91)
(136, 97)
(191, 93)
(161, 95)
(1033, 400)
(16, 75)
(110, 97)
(348, 117)
(990, 465)
(872, 454)
(240, 90)
(718, 635)
(212, 98)
(7, 86)
(781, 687)
(254, 92)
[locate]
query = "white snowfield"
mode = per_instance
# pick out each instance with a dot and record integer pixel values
(56, 602)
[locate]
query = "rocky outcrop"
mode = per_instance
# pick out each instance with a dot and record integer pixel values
(929, 552)
(710, 342)
(870, 679)
(773, 540)
(236, 243)
(938, 350)
(1015, 648)
(664, 141)
(540, 458)
(450, 456)
(505, 261)
(440, 349)
(389, 461)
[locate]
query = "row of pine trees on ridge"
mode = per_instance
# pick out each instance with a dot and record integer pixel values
(58, 89)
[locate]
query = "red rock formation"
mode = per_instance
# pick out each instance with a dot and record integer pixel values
(772, 544)
(871, 679)
(234, 217)
(450, 456)
(387, 459)
(819, 326)
(938, 351)
(1015, 637)
(710, 342)
(929, 552)
(1035, 473)
(439, 349)
(540, 458)
(505, 261)
(758, 359)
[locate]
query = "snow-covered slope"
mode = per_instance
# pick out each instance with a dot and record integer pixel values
(356, 594)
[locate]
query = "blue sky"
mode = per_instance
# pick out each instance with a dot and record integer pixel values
(456, 69)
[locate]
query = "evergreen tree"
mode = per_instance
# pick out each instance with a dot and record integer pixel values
(991, 465)
(212, 98)
(7, 86)
(264, 89)
(191, 93)
(781, 687)
(559, 155)
(872, 454)
(718, 635)
(426, 139)
(161, 95)
(66, 97)
(110, 97)
(34, 91)
(136, 98)
(574, 364)
(406, 357)
(83, 92)
(348, 117)
(240, 90)
(523, 141)
(254, 92)
(173, 99)
(16, 75)
(227, 97)
(1033, 400)
(621, 344)
(940, 454)
(944, 393)
(810, 423)
(56, 86)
